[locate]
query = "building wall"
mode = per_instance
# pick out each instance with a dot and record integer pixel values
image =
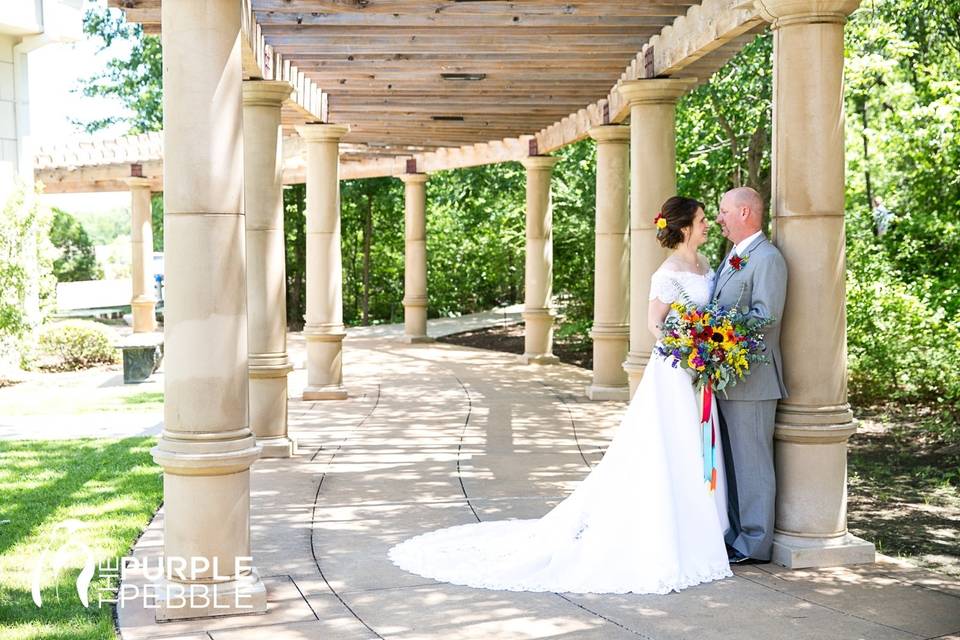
(21, 17)
(8, 123)
(29, 25)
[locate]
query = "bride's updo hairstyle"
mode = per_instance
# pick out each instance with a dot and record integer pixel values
(678, 213)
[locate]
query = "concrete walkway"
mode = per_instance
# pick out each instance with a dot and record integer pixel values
(436, 435)
(40, 392)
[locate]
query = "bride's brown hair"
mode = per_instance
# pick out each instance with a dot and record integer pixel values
(679, 213)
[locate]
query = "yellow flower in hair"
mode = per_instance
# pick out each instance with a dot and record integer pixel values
(660, 221)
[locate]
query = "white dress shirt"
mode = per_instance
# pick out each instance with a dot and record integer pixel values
(743, 244)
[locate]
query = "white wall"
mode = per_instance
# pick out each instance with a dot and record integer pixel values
(25, 26)
(21, 17)
(8, 122)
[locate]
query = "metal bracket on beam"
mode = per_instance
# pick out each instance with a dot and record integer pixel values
(648, 63)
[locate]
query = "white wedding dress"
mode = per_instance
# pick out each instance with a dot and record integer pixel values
(643, 521)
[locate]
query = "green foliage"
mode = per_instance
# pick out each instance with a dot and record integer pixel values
(156, 220)
(903, 150)
(723, 134)
(105, 226)
(900, 348)
(76, 344)
(76, 260)
(135, 80)
(475, 238)
(373, 244)
(903, 139)
(295, 230)
(25, 262)
(574, 193)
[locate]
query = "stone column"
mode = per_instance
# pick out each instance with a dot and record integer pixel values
(143, 301)
(206, 447)
(415, 258)
(538, 312)
(324, 330)
(611, 289)
(814, 422)
(266, 264)
(653, 179)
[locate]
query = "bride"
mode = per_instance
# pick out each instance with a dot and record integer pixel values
(643, 521)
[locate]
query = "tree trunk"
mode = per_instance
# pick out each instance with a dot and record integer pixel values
(862, 107)
(759, 144)
(367, 234)
(736, 180)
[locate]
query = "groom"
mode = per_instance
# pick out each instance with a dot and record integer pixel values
(754, 277)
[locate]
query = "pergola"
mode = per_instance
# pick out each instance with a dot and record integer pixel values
(258, 93)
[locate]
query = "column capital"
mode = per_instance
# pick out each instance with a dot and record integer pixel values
(611, 133)
(655, 90)
(322, 132)
(783, 13)
(136, 182)
(265, 93)
(539, 162)
(413, 178)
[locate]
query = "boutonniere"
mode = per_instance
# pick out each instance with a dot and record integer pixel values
(738, 262)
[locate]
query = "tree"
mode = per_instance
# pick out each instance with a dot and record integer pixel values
(25, 265)
(136, 79)
(295, 233)
(76, 260)
(723, 133)
(903, 143)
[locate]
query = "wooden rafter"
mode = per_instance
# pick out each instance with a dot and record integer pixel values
(546, 70)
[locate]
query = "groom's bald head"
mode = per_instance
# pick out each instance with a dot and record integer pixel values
(741, 213)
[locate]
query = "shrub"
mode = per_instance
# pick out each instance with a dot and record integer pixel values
(902, 346)
(76, 344)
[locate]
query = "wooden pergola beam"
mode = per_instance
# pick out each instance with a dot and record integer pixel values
(538, 76)
(627, 17)
(471, 9)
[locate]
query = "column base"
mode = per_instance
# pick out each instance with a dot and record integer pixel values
(795, 552)
(187, 600)
(331, 392)
(606, 392)
(280, 447)
(635, 365)
(538, 358)
(415, 339)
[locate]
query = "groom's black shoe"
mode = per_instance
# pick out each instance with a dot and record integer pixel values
(738, 558)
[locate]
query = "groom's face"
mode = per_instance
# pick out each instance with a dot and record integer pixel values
(730, 220)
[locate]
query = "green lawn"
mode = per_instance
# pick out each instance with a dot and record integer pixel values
(108, 488)
(34, 401)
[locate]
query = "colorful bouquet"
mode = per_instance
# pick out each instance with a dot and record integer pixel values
(718, 345)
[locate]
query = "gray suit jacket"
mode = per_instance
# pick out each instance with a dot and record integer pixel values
(760, 286)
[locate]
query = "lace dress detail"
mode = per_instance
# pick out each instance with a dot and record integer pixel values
(640, 522)
(667, 286)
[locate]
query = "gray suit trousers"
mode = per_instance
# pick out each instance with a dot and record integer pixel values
(746, 427)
